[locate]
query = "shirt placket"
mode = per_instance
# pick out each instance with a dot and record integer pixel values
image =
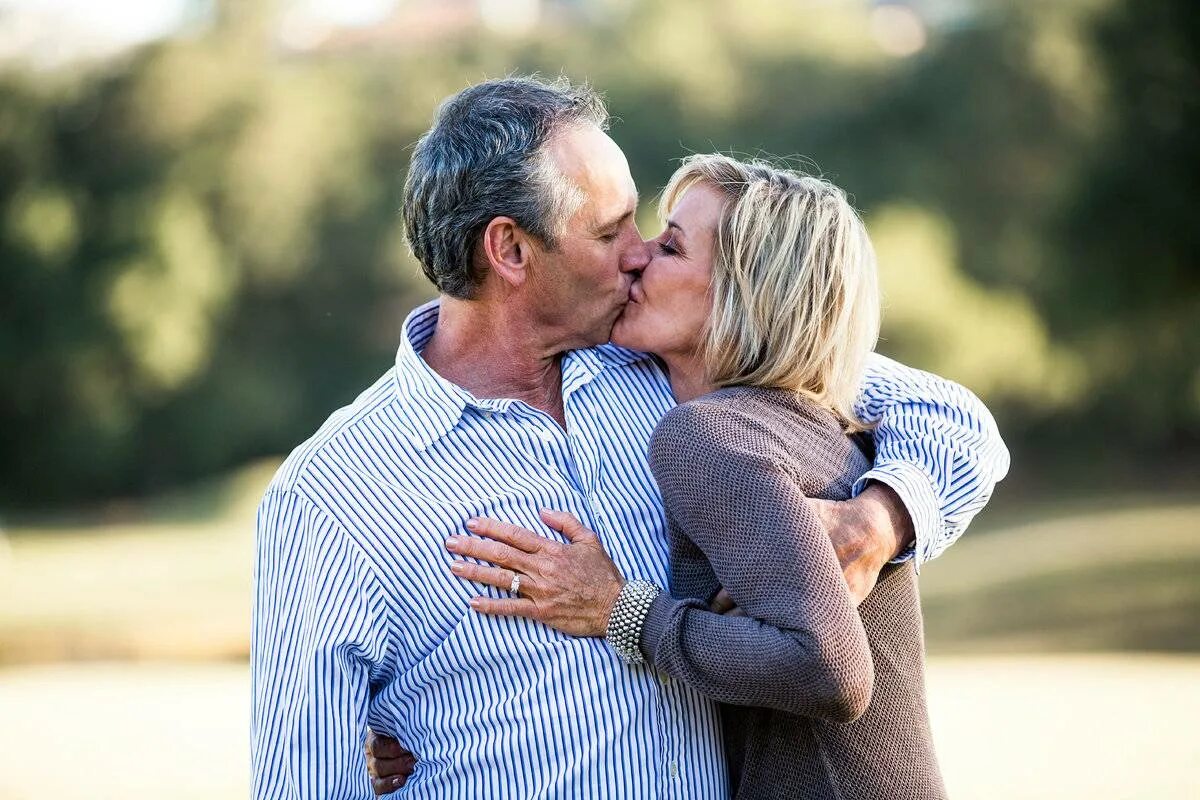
(588, 465)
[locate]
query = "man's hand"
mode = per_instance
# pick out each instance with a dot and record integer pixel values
(867, 532)
(723, 604)
(388, 762)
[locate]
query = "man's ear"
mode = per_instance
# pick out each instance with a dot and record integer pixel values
(508, 250)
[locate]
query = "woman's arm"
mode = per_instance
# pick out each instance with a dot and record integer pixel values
(801, 646)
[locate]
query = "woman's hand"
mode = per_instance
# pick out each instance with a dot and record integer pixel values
(389, 764)
(571, 587)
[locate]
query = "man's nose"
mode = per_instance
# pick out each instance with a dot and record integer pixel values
(636, 258)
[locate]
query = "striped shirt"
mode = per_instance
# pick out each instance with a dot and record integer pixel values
(358, 620)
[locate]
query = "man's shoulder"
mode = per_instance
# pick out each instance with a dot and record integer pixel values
(354, 421)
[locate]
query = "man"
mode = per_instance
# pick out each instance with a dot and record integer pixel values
(504, 400)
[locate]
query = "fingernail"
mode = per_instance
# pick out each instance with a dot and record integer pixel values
(475, 601)
(456, 567)
(398, 781)
(472, 524)
(452, 543)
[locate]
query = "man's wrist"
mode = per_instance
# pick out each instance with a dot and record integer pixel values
(888, 520)
(918, 499)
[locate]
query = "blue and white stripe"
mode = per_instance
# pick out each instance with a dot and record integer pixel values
(359, 621)
(936, 445)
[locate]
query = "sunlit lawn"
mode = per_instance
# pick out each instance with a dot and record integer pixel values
(167, 584)
(1007, 728)
(169, 579)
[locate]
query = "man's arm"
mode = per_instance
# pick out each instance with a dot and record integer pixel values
(316, 632)
(937, 448)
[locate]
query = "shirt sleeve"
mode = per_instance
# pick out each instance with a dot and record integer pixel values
(317, 635)
(801, 647)
(936, 445)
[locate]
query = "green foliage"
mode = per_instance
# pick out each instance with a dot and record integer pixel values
(201, 254)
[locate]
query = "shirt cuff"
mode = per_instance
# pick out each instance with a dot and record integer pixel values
(920, 499)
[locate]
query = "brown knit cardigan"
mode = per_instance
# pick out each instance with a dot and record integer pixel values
(821, 700)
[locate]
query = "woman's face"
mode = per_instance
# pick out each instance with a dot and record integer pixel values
(669, 303)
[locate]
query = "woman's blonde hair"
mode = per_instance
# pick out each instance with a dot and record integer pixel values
(795, 297)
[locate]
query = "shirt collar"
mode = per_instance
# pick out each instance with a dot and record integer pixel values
(434, 405)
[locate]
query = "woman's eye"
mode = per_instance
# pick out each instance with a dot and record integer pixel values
(667, 249)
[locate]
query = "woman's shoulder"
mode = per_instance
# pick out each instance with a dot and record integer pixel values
(769, 424)
(713, 416)
(739, 408)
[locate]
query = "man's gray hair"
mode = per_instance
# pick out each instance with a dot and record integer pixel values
(484, 157)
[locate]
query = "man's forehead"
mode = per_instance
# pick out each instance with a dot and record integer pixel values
(595, 163)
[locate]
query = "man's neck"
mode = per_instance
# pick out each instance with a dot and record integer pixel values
(492, 353)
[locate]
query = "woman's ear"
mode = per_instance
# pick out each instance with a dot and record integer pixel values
(508, 250)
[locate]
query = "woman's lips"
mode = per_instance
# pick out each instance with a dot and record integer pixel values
(636, 295)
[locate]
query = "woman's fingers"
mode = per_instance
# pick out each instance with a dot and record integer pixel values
(395, 767)
(388, 763)
(380, 746)
(382, 786)
(516, 607)
(487, 550)
(489, 576)
(568, 524)
(512, 535)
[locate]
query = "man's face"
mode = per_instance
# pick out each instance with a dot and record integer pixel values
(583, 285)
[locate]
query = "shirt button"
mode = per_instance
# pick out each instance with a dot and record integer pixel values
(664, 679)
(674, 770)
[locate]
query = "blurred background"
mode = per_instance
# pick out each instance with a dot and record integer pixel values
(201, 258)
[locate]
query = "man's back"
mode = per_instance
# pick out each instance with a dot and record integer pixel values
(358, 618)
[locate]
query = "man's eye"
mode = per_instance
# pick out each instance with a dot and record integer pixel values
(608, 237)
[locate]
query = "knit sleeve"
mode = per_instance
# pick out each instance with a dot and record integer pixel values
(801, 647)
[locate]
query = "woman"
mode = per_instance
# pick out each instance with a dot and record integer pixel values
(762, 302)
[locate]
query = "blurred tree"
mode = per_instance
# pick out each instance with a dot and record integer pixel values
(201, 255)
(1126, 291)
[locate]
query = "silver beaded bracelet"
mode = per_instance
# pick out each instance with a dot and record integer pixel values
(627, 618)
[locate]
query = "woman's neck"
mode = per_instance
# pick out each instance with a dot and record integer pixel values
(689, 378)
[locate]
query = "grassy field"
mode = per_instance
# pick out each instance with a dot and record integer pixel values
(170, 579)
(167, 579)
(1121, 574)
(1094, 727)
(1064, 640)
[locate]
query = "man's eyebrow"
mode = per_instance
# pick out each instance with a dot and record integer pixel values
(616, 223)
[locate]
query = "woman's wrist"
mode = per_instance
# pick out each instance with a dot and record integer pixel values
(628, 616)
